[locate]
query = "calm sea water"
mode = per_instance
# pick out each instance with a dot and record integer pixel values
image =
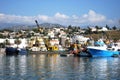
(55, 67)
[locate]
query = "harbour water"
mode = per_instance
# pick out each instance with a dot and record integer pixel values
(55, 67)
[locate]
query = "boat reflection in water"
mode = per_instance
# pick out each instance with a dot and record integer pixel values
(55, 67)
(22, 64)
(105, 68)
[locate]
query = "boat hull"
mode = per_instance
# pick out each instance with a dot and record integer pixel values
(102, 53)
(23, 52)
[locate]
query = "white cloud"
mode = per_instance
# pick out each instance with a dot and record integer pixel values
(89, 18)
(15, 19)
(43, 17)
(94, 17)
(62, 16)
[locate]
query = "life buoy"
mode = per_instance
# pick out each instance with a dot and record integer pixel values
(55, 48)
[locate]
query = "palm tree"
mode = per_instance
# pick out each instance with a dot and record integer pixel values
(89, 30)
(97, 28)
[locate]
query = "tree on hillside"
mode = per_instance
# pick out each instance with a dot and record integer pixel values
(97, 27)
(69, 27)
(114, 28)
(88, 30)
(107, 27)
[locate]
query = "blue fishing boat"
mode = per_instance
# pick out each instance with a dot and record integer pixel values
(15, 51)
(101, 50)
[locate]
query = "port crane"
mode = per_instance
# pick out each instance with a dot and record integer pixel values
(37, 24)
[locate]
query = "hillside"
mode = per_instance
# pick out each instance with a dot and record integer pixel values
(109, 34)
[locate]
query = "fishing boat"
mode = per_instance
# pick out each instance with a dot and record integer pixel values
(102, 50)
(16, 49)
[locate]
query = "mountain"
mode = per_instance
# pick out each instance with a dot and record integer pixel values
(26, 26)
(50, 25)
(11, 26)
(6, 25)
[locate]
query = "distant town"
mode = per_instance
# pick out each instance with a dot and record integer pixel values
(53, 30)
(56, 35)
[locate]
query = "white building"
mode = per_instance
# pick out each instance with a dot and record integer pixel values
(23, 43)
(51, 34)
(103, 29)
(63, 34)
(54, 42)
(79, 38)
(93, 29)
(2, 40)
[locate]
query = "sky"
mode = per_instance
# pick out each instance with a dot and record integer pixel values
(65, 12)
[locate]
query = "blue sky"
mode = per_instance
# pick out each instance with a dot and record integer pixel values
(66, 12)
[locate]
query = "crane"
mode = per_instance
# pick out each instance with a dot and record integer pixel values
(37, 23)
(38, 27)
